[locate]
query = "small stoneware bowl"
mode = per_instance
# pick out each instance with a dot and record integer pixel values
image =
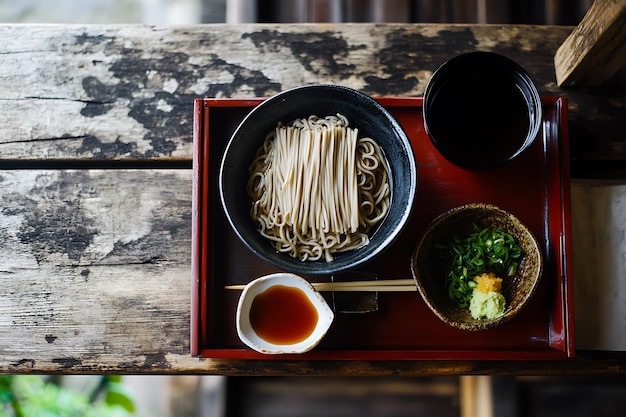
(481, 110)
(365, 114)
(431, 279)
(282, 313)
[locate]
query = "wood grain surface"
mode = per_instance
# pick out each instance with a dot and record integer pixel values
(95, 175)
(125, 92)
(95, 269)
(595, 50)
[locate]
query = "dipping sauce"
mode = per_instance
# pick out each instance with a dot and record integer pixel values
(481, 110)
(283, 315)
(480, 117)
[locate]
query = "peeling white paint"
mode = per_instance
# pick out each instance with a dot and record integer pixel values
(164, 106)
(170, 85)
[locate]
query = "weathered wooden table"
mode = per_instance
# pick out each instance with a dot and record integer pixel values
(96, 175)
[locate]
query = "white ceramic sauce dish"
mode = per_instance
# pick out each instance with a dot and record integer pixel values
(282, 325)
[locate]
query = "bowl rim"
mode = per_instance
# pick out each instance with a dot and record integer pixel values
(483, 324)
(521, 77)
(246, 332)
(319, 268)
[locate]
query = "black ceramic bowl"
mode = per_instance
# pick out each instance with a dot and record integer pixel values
(481, 110)
(362, 112)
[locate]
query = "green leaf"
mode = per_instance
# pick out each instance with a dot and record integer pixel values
(117, 394)
(113, 378)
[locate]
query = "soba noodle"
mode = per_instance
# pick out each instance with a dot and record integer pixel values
(317, 188)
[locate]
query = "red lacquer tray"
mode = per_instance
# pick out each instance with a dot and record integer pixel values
(535, 187)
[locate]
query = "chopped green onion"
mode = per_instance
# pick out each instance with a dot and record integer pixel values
(483, 251)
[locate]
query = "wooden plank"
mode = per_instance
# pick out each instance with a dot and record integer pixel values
(94, 319)
(95, 278)
(125, 92)
(94, 270)
(596, 48)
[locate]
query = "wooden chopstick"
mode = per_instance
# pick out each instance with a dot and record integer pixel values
(387, 285)
(382, 282)
(369, 288)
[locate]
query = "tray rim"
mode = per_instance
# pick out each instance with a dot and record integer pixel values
(561, 344)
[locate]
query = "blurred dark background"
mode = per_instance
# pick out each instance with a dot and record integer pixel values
(537, 12)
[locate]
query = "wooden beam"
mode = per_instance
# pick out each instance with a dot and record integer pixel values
(596, 49)
(476, 398)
